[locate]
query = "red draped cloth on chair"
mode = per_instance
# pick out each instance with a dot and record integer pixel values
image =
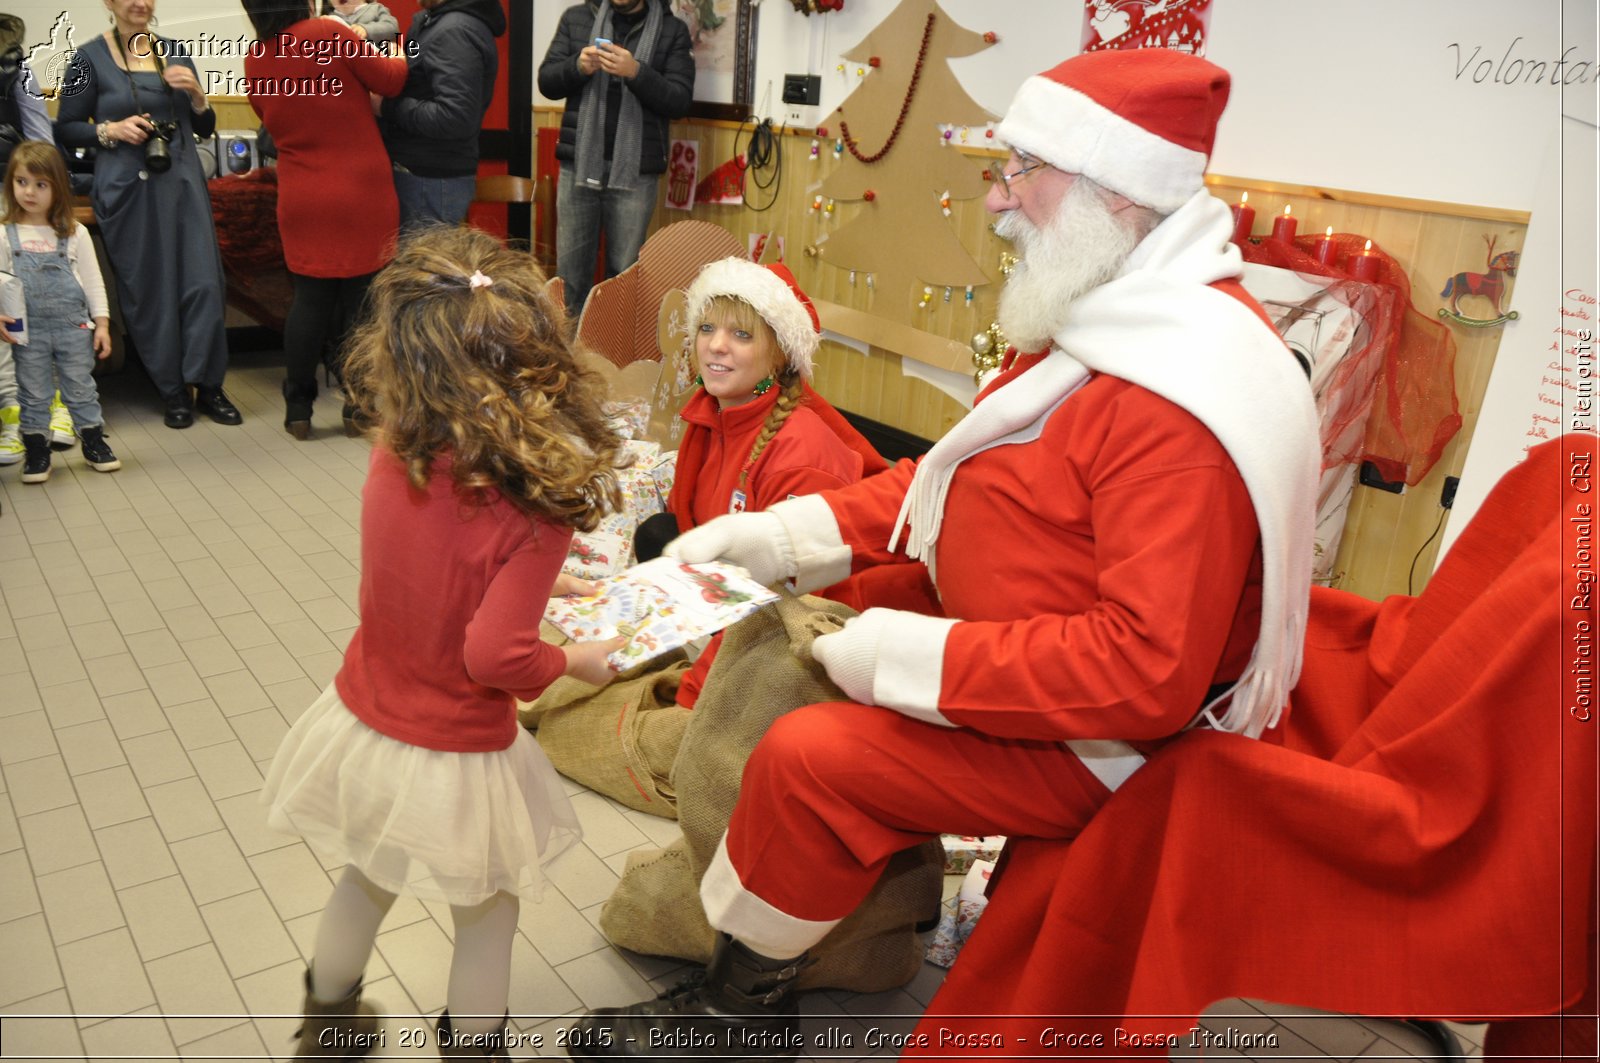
(1423, 843)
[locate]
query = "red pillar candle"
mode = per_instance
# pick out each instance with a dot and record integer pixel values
(1325, 249)
(1364, 265)
(1283, 227)
(1244, 219)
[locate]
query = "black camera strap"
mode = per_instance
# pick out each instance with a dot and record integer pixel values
(133, 86)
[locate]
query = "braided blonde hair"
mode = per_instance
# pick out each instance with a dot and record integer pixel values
(793, 394)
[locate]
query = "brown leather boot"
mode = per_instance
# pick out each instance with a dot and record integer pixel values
(742, 1007)
(345, 1029)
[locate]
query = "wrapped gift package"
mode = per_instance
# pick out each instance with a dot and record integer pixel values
(961, 851)
(960, 915)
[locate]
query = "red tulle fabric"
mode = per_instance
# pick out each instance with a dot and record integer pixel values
(1415, 412)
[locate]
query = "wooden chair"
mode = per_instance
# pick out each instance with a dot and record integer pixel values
(540, 193)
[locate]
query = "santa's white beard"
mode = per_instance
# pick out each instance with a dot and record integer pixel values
(1080, 248)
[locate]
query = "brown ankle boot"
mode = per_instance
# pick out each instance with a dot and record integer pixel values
(490, 1045)
(345, 1029)
(742, 1006)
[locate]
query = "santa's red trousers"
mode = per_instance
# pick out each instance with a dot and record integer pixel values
(833, 791)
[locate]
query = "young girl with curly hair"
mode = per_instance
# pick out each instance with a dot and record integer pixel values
(410, 769)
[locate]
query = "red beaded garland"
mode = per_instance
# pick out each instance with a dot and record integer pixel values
(916, 75)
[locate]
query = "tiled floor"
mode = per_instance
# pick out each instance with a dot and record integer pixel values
(161, 628)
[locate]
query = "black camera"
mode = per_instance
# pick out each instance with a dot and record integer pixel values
(157, 153)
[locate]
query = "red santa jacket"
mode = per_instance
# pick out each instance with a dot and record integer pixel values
(1101, 578)
(1423, 844)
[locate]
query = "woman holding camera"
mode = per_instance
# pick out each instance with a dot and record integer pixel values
(140, 105)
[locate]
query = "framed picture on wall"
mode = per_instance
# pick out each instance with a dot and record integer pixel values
(724, 36)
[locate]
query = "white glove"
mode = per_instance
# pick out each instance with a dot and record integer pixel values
(759, 543)
(850, 655)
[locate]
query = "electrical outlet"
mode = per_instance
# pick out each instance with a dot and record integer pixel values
(1371, 477)
(1447, 496)
(802, 88)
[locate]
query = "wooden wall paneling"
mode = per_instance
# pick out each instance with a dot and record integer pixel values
(1384, 532)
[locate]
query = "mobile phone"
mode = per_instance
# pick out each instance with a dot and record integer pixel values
(601, 42)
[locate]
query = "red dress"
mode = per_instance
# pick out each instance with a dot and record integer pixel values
(337, 211)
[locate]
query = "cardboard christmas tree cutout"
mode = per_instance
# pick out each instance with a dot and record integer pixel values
(899, 165)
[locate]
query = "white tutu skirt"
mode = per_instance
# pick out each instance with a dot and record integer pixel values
(452, 827)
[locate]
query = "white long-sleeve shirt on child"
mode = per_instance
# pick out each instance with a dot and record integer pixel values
(80, 255)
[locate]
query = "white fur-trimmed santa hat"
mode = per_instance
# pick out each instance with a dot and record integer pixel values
(1138, 122)
(775, 295)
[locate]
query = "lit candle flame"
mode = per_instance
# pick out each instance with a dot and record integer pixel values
(1244, 197)
(1329, 234)
(1369, 245)
(1286, 208)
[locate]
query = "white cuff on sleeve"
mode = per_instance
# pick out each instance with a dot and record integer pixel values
(821, 556)
(911, 665)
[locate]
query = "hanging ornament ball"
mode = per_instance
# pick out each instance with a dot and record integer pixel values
(861, 71)
(982, 342)
(874, 62)
(948, 133)
(869, 195)
(990, 37)
(840, 68)
(829, 208)
(988, 175)
(822, 130)
(989, 133)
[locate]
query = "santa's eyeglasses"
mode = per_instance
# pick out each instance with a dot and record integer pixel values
(1002, 180)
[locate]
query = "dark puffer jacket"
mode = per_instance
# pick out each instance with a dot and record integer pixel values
(664, 86)
(431, 128)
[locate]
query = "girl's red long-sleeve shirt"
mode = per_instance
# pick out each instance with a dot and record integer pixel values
(451, 597)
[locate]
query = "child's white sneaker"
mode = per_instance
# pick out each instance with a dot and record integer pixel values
(61, 433)
(11, 448)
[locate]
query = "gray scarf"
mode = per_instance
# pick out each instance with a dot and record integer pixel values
(591, 148)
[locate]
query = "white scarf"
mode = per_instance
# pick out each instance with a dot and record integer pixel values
(1159, 325)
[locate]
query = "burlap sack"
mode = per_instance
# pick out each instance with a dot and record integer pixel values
(764, 670)
(620, 739)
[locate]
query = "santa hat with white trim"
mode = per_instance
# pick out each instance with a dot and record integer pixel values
(1140, 123)
(775, 295)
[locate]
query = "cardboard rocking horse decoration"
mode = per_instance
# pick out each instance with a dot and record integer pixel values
(1490, 286)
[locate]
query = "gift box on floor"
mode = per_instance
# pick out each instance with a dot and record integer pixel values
(960, 915)
(960, 851)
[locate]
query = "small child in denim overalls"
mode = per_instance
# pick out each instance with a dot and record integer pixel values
(66, 316)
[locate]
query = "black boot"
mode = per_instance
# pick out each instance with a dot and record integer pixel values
(345, 1029)
(36, 457)
(180, 409)
(297, 400)
(741, 1007)
(96, 451)
(355, 422)
(470, 1046)
(211, 401)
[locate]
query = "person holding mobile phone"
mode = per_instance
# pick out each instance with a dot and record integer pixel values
(626, 69)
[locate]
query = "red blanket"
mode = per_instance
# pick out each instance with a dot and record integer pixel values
(1423, 844)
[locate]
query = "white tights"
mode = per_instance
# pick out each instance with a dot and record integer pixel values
(480, 968)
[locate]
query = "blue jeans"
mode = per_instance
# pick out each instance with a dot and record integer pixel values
(426, 200)
(57, 355)
(582, 214)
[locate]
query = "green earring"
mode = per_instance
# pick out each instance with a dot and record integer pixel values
(764, 387)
